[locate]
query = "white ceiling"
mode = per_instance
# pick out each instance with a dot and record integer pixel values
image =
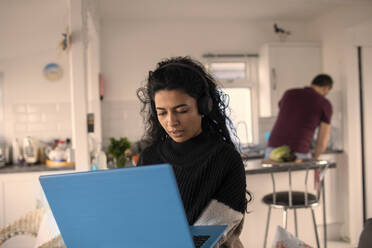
(300, 10)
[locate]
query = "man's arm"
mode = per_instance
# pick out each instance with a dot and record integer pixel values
(322, 140)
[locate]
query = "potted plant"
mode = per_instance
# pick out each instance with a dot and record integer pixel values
(117, 149)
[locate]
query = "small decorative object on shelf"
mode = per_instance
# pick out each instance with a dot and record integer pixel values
(118, 149)
(283, 34)
(65, 43)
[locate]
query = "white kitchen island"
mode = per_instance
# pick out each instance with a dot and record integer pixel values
(259, 184)
(20, 193)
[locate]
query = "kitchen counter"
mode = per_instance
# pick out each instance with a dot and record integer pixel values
(31, 168)
(259, 154)
(256, 166)
(252, 162)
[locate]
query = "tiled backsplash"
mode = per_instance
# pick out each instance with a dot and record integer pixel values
(121, 119)
(44, 121)
(47, 121)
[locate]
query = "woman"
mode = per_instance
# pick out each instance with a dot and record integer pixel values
(186, 126)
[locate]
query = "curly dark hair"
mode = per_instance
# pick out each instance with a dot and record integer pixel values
(191, 77)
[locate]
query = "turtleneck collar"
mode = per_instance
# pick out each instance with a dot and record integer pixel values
(188, 145)
(188, 152)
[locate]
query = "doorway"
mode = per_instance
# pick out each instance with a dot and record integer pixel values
(365, 76)
(2, 121)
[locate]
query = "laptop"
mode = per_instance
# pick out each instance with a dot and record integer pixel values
(131, 207)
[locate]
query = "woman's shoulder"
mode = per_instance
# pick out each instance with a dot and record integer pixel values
(227, 149)
(228, 152)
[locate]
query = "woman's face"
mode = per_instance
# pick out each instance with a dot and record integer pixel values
(178, 114)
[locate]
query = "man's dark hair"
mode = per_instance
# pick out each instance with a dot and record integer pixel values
(322, 80)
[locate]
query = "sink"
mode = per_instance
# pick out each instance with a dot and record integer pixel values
(252, 152)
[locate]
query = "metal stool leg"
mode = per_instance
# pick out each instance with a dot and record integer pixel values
(324, 216)
(267, 226)
(315, 228)
(285, 218)
(295, 221)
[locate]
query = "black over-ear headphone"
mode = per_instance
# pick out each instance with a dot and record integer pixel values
(205, 103)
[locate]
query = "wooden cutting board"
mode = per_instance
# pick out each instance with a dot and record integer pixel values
(57, 164)
(269, 161)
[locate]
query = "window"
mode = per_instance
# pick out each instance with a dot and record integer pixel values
(238, 79)
(241, 113)
(228, 71)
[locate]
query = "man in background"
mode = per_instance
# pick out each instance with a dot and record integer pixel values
(301, 111)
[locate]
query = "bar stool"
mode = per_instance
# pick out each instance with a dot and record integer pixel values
(294, 200)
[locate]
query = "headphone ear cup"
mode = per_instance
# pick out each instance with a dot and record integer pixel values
(210, 105)
(205, 105)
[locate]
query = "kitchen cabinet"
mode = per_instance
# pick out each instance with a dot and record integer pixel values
(19, 198)
(283, 66)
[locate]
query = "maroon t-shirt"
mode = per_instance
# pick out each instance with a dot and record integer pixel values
(300, 112)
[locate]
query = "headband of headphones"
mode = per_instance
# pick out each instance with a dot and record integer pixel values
(205, 103)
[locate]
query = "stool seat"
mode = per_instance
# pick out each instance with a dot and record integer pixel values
(298, 199)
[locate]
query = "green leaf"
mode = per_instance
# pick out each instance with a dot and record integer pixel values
(118, 147)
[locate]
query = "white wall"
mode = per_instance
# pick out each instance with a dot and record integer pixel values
(330, 30)
(339, 32)
(366, 55)
(30, 33)
(356, 36)
(130, 48)
(28, 27)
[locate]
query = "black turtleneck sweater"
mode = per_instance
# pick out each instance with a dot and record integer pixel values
(205, 169)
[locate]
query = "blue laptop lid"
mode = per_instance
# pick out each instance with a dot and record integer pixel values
(119, 208)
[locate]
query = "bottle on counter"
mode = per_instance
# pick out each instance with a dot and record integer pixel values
(69, 151)
(2, 155)
(101, 160)
(110, 162)
(93, 166)
(30, 150)
(42, 158)
(8, 154)
(16, 151)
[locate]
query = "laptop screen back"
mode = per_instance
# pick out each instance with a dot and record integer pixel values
(131, 207)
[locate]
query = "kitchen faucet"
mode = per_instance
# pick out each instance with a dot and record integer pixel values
(245, 128)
